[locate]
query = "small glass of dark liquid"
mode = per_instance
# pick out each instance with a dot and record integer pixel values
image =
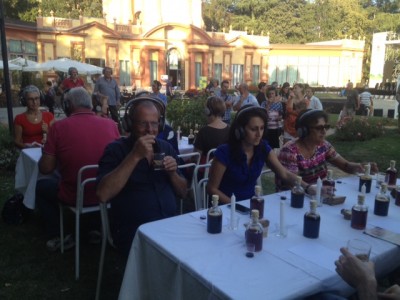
(367, 181)
(361, 249)
(397, 202)
(297, 200)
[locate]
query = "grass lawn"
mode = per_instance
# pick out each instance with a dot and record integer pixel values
(29, 271)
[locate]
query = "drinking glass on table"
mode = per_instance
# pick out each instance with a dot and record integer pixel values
(359, 248)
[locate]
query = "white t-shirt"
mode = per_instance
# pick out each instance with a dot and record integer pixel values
(365, 98)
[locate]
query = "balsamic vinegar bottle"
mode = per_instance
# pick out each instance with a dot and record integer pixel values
(191, 137)
(312, 221)
(382, 201)
(257, 202)
(297, 195)
(329, 184)
(214, 217)
(254, 231)
(359, 213)
(391, 173)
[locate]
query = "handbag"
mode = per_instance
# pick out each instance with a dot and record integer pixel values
(14, 211)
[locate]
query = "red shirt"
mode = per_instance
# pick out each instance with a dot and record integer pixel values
(32, 132)
(77, 141)
(68, 83)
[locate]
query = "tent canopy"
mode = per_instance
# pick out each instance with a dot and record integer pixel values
(63, 64)
(11, 66)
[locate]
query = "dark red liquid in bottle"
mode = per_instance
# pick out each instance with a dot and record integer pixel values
(254, 237)
(391, 177)
(297, 200)
(381, 207)
(214, 223)
(358, 219)
(311, 226)
(257, 203)
(330, 187)
(367, 182)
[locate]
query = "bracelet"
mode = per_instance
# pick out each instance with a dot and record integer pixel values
(306, 189)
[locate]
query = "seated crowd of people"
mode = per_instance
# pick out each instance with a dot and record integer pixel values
(290, 120)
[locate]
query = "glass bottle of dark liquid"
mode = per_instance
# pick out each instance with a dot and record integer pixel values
(191, 137)
(254, 231)
(329, 186)
(214, 217)
(359, 213)
(257, 202)
(312, 221)
(382, 201)
(391, 174)
(297, 194)
(366, 179)
(397, 201)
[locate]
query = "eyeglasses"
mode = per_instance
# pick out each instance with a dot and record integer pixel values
(144, 124)
(321, 127)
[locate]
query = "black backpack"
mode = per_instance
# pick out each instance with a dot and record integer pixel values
(14, 211)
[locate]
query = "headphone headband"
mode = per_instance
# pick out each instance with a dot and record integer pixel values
(127, 120)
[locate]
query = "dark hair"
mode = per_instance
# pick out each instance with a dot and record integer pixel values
(261, 85)
(285, 85)
(272, 89)
(157, 83)
(242, 118)
(224, 81)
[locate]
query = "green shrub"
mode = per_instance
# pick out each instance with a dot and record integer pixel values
(186, 113)
(360, 129)
(8, 154)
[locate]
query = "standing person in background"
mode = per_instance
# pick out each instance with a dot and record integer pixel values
(215, 89)
(285, 91)
(32, 126)
(72, 81)
(49, 96)
(351, 105)
(107, 86)
(245, 98)
(366, 103)
(313, 102)
(295, 104)
(228, 99)
(170, 88)
(274, 109)
(156, 87)
(261, 96)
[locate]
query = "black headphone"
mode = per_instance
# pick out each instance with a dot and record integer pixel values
(127, 121)
(107, 68)
(29, 89)
(239, 130)
(70, 69)
(302, 129)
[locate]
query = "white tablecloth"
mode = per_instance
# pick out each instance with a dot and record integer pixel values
(184, 147)
(176, 258)
(26, 174)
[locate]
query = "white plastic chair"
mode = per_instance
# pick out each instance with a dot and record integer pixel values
(190, 161)
(78, 210)
(200, 195)
(208, 161)
(106, 236)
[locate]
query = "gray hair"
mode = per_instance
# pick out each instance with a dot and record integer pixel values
(30, 89)
(79, 98)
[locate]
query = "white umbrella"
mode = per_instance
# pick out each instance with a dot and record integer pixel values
(63, 64)
(11, 66)
(23, 62)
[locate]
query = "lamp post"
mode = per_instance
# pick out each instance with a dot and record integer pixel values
(6, 69)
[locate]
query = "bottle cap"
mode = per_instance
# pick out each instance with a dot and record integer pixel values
(313, 204)
(361, 199)
(255, 213)
(257, 190)
(330, 173)
(392, 162)
(299, 179)
(214, 200)
(384, 186)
